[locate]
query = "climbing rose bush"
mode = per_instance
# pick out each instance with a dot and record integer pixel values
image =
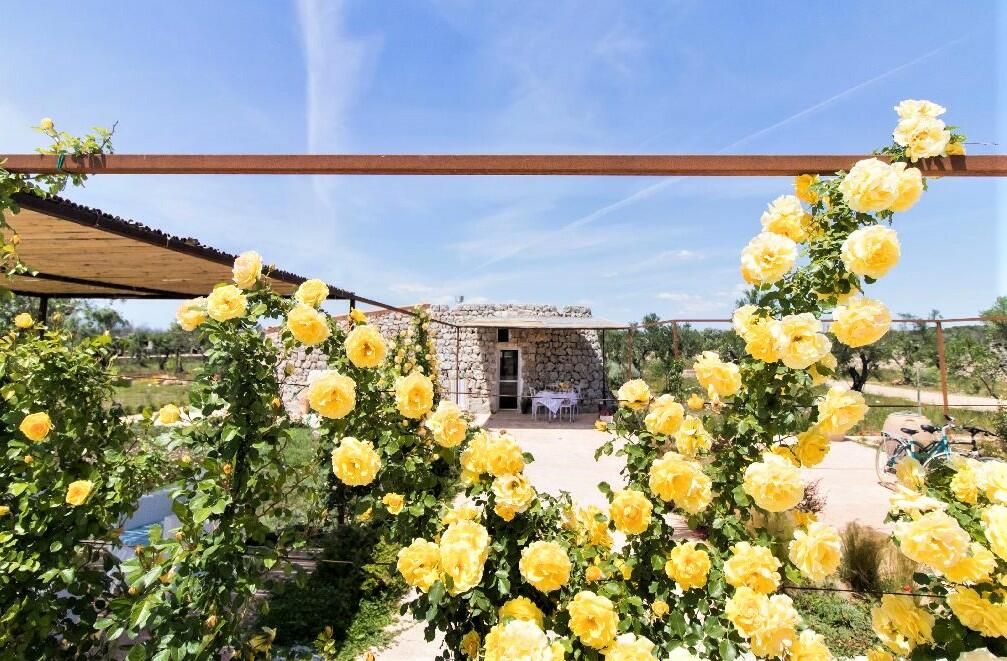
(628, 583)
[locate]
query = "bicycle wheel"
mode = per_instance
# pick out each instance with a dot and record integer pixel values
(886, 456)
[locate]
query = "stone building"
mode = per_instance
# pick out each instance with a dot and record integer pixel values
(494, 355)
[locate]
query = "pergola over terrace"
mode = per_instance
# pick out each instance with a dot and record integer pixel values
(84, 253)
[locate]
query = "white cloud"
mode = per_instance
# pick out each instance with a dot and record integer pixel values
(337, 67)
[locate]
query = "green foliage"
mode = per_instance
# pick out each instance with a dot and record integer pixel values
(55, 568)
(845, 621)
(353, 592)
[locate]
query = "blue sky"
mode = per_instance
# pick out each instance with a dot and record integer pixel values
(454, 76)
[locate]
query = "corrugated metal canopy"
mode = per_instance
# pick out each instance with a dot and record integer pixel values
(570, 323)
(81, 252)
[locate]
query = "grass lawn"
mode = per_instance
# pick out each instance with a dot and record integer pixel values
(139, 395)
(881, 407)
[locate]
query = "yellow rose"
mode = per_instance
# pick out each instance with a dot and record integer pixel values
(226, 303)
(36, 426)
(922, 136)
(802, 187)
(473, 457)
(365, 347)
(247, 269)
(517, 640)
(464, 511)
(812, 446)
(593, 574)
(918, 108)
(675, 478)
(978, 613)
(24, 321)
(955, 149)
(764, 339)
(464, 549)
(357, 316)
(503, 456)
(777, 633)
(545, 565)
(743, 318)
(787, 217)
(471, 644)
(601, 425)
(660, 608)
(816, 551)
(355, 463)
(665, 416)
(803, 344)
(634, 394)
(995, 526)
(308, 325)
(871, 251)
(46, 124)
(978, 567)
(414, 395)
(591, 526)
(696, 402)
(774, 483)
(630, 511)
(767, 258)
(169, 414)
(191, 314)
(818, 370)
(688, 565)
(692, 437)
(78, 492)
(512, 495)
(4, 510)
(840, 410)
(909, 473)
(870, 186)
(332, 395)
(752, 566)
(934, 539)
(394, 502)
(992, 479)
(419, 564)
(312, 292)
(448, 425)
(879, 654)
(787, 452)
(803, 518)
(593, 619)
(910, 185)
(630, 647)
(747, 610)
(522, 608)
(711, 372)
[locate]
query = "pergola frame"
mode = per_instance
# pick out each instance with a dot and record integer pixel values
(694, 165)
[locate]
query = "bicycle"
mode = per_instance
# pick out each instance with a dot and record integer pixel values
(891, 450)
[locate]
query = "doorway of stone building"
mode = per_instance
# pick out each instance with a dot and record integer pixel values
(509, 381)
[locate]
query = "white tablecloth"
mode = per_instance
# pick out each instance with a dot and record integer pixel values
(553, 399)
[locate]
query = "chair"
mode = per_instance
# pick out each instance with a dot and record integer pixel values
(568, 406)
(532, 391)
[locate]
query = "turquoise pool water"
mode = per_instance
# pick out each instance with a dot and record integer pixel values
(137, 536)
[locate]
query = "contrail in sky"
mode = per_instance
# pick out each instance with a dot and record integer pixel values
(651, 190)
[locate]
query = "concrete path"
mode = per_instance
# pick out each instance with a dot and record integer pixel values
(849, 483)
(934, 397)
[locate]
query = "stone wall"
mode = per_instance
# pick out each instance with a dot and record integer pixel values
(547, 355)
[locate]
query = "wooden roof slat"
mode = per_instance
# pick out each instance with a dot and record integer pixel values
(81, 252)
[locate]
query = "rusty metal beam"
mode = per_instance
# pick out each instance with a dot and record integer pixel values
(688, 165)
